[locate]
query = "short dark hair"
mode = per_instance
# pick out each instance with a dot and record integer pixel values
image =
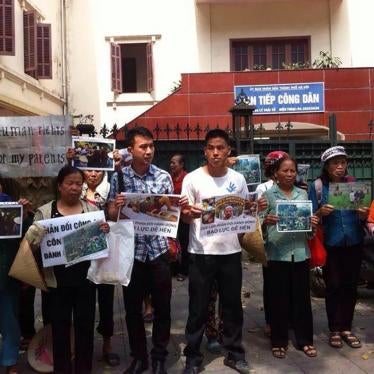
(137, 131)
(279, 163)
(181, 158)
(217, 133)
(66, 171)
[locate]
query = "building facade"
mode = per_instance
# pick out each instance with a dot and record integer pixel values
(115, 59)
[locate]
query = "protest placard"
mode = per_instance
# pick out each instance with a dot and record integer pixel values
(52, 245)
(249, 167)
(93, 153)
(86, 243)
(11, 214)
(294, 215)
(33, 146)
(228, 214)
(152, 214)
(350, 196)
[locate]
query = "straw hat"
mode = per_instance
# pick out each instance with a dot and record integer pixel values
(25, 268)
(40, 350)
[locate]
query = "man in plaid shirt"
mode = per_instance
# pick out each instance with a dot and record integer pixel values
(151, 269)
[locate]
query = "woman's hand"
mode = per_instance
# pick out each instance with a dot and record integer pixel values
(191, 212)
(183, 201)
(104, 227)
(271, 219)
(262, 204)
(119, 200)
(314, 220)
(363, 213)
(27, 207)
(325, 210)
(231, 161)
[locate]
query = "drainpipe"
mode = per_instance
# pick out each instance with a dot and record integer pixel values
(63, 57)
(330, 27)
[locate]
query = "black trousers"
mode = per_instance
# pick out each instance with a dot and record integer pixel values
(79, 302)
(155, 277)
(341, 273)
(265, 294)
(105, 296)
(27, 314)
(227, 270)
(289, 297)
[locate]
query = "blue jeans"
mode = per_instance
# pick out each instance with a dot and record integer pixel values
(9, 327)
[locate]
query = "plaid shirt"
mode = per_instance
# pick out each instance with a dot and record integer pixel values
(155, 181)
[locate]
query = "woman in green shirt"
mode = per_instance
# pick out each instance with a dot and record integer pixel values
(288, 267)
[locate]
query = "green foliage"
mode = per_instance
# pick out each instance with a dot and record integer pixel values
(176, 85)
(296, 66)
(326, 61)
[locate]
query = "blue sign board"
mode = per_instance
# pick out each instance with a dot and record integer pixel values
(284, 98)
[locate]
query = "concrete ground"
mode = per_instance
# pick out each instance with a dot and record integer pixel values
(329, 360)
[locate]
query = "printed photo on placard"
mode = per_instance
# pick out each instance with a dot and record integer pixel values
(152, 214)
(350, 196)
(294, 216)
(249, 167)
(302, 173)
(93, 153)
(11, 215)
(86, 243)
(227, 214)
(251, 207)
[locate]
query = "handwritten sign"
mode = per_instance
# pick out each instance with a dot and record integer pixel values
(52, 245)
(152, 214)
(33, 146)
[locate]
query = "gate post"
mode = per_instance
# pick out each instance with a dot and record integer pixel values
(332, 129)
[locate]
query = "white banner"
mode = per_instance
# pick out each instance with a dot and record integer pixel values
(33, 146)
(152, 214)
(229, 214)
(52, 245)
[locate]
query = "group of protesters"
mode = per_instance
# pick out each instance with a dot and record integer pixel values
(213, 264)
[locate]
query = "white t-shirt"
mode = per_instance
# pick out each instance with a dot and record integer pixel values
(261, 188)
(199, 185)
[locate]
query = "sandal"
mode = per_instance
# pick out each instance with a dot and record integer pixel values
(335, 340)
(352, 340)
(310, 350)
(11, 369)
(279, 352)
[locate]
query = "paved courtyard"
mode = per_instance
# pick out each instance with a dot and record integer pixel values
(329, 360)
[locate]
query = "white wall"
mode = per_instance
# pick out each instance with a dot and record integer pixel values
(23, 91)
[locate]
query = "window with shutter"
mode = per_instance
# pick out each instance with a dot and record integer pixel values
(116, 67)
(44, 58)
(149, 67)
(7, 28)
(29, 42)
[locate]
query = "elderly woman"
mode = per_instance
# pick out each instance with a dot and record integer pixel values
(9, 297)
(343, 238)
(70, 291)
(288, 267)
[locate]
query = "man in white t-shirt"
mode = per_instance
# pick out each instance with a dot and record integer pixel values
(214, 258)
